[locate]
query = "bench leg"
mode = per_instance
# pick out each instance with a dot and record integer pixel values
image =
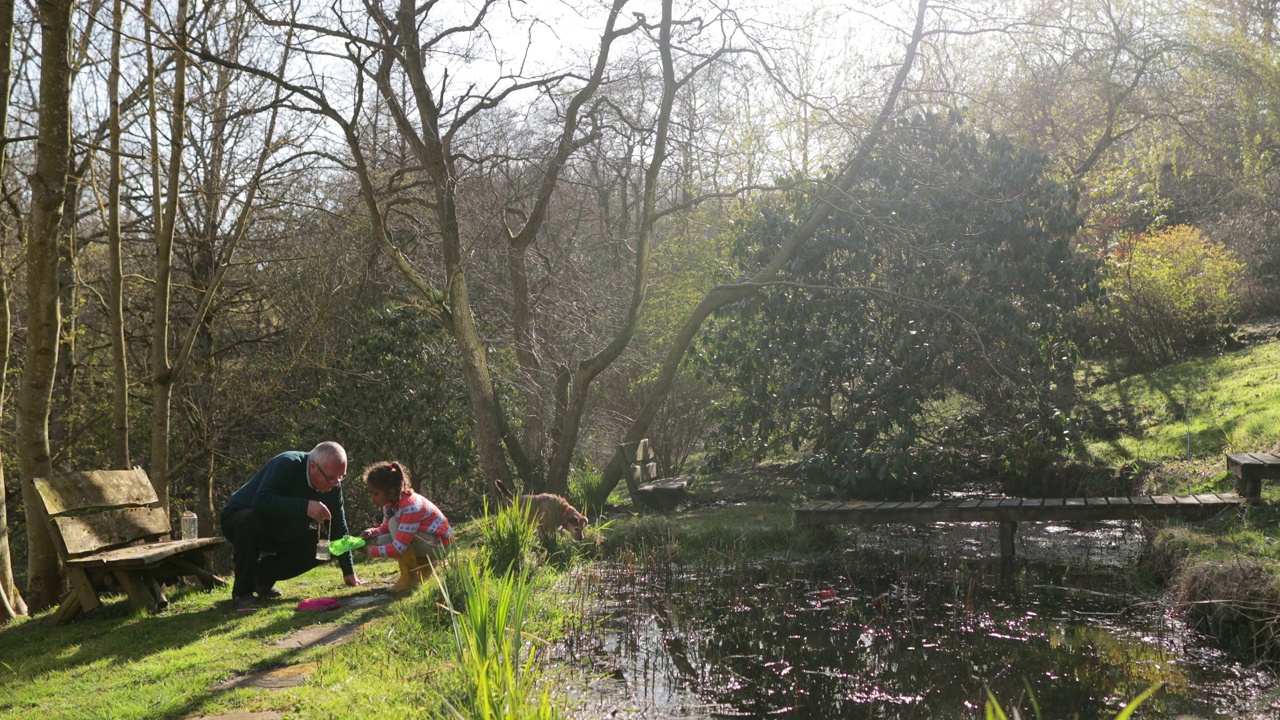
(84, 590)
(1249, 488)
(207, 579)
(68, 609)
(143, 590)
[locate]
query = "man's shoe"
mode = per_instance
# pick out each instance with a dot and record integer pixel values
(269, 593)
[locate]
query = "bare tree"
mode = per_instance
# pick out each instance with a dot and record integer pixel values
(48, 188)
(115, 280)
(11, 601)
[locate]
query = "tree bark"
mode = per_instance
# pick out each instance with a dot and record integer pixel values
(48, 190)
(14, 605)
(120, 458)
(161, 371)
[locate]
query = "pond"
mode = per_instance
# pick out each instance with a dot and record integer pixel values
(907, 623)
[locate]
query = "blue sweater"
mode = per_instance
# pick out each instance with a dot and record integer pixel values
(280, 492)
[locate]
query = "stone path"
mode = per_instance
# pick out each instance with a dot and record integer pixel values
(296, 674)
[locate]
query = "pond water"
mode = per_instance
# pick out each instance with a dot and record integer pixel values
(915, 624)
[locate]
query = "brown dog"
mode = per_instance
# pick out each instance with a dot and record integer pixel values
(553, 514)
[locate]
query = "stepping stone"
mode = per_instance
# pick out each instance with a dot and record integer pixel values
(363, 600)
(282, 677)
(318, 635)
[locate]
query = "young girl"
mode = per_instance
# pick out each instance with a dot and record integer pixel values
(413, 529)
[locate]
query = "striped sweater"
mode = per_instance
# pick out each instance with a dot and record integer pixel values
(414, 515)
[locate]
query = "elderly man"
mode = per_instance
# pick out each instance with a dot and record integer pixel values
(268, 520)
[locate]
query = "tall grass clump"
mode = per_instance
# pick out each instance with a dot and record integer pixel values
(1237, 602)
(499, 667)
(509, 538)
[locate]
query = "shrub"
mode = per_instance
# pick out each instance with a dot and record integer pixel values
(1169, 293)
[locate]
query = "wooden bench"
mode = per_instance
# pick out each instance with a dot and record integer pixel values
(646, 488)
(112, 535)
(1251, 469)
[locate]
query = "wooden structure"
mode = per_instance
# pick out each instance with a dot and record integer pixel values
(112, 535)
(1011, 511)
(1250, 469)
(646, 488)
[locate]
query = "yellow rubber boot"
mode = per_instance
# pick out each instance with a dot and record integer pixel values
(424, 570)
(408, 576)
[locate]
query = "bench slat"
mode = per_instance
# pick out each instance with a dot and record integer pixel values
(95, 489)
(141, 555)
(110, 529)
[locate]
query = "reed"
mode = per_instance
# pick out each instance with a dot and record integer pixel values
(497, 658)
(991, 710)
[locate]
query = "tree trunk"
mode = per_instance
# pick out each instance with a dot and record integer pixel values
(48, 190)
(14, 605)
(115, 298)
(162, 374)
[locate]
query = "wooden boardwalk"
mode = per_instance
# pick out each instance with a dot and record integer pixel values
(1011, 511)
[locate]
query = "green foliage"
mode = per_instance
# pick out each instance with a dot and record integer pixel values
(587, 491)
(929, 326)
(392, 393)
(1168, 292)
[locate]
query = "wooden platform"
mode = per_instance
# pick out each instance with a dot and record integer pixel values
(1011, 511)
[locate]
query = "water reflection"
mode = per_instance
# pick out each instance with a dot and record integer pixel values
(859, 638)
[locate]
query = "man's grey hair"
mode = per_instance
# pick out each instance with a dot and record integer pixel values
(328, 450)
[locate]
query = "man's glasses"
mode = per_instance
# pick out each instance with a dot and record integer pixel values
(323, 474)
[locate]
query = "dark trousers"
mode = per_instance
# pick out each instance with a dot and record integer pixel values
(262, 555)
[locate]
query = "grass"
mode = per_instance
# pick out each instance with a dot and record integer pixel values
(1195, 409)
(413, 652)
(500, 666)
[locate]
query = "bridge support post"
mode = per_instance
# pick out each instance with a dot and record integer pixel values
(1008, 529)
